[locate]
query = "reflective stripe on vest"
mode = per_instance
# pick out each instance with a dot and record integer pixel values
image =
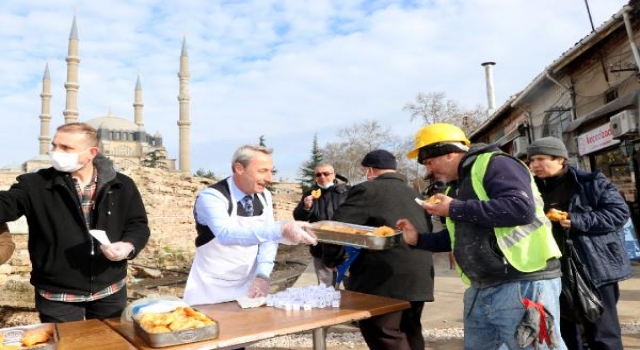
(528, 247)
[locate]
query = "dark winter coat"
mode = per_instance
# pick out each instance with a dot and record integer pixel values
(598, 214)
(402, 272)
(64, 257)
(322, 209)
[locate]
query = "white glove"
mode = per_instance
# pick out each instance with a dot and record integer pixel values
(258, 288)
(117, 251)
(294, 232)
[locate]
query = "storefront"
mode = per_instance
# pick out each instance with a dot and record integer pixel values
(598, 149)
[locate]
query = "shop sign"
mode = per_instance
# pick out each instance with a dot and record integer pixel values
(595, 139)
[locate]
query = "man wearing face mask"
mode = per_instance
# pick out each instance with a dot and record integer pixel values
(74, 276)
(317, 204)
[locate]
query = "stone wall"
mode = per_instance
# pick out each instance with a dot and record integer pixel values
(168, 198)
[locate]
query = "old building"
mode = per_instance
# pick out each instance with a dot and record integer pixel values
(589, 97)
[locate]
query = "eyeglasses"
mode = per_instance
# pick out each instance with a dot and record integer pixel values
(325, 174)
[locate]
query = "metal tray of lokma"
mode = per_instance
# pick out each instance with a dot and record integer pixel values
(157, 338)
(42, 336)
(342, 233)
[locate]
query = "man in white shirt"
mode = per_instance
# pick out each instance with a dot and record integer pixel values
(237, 237)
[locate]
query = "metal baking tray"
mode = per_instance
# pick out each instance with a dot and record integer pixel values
(158, 340)
(13, 335)
(328, 232)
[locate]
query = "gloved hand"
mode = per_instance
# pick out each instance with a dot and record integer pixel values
(294, 232)
(117, 251)
(258, 288)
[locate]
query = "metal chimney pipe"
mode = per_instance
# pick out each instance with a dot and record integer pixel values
(491, 96)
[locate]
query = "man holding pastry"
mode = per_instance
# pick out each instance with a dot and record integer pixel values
(318, 204)
(588, 209)
(498, 233)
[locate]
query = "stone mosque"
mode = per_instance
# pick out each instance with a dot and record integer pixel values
(124, 141)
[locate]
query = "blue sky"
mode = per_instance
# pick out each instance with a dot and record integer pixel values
(283, 69)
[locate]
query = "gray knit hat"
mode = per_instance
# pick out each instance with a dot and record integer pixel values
(551, 146)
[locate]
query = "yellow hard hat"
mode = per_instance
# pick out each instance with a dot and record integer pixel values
(436, 133)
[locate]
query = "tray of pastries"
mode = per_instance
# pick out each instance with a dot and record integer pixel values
(369, 237)
(42, 336)
(183, 325)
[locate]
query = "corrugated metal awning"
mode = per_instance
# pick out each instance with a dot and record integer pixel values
(630, 99)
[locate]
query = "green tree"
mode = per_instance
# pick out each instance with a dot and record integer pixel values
(307, 171)
(155, 159)
(205, 173)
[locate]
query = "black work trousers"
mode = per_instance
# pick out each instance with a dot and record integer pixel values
(604, 334)
(401, 330)
(61, 311)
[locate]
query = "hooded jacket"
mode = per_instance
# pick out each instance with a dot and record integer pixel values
(598, 214)
(64, 256)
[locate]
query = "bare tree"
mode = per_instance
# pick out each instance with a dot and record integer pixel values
(435, 107)
(346, 154)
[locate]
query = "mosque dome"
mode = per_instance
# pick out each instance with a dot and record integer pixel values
(111, 122)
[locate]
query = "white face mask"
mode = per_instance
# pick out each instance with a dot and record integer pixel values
(66, 162)
(324, 187)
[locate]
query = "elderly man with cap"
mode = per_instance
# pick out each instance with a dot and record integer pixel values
(500, 238)
(401, 272)
(597, 215)
(329, 194)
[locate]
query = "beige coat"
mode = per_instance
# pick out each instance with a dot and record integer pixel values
(6, 243)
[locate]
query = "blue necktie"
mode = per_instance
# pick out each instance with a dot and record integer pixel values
(247, 203)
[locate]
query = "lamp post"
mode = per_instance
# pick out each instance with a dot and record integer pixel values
(627, 148)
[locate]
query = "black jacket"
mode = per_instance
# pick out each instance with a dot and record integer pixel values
(64, 257)
(322, 209)
(402, 272)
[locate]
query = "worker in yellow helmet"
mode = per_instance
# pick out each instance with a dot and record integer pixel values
(500, 239)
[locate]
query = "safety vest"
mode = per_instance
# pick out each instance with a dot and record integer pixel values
(528, 247)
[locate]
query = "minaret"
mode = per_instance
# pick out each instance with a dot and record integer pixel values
(71, 107)
(45, 112)
(137, 104)
(184, 122)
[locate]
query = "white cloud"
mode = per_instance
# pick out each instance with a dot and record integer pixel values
(284, 69)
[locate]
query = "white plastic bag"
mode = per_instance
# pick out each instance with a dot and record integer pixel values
(152, 304)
